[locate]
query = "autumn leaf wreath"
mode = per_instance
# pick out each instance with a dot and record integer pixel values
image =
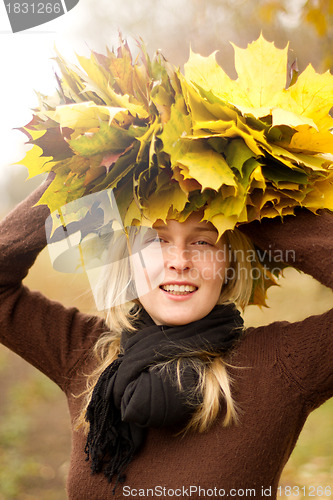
(169, 142)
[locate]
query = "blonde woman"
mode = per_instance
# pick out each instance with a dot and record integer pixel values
(171, 396)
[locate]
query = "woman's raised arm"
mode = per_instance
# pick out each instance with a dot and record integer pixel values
(304, 348)
(46, 334)
(306, 240)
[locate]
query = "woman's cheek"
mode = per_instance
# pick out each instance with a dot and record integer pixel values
(213, 271)
(148, 269)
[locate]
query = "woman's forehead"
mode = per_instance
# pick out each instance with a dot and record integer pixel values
(193, 222)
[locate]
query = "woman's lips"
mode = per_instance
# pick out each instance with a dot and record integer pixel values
(178, 291)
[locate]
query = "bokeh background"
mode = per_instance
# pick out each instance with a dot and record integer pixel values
(34, 425)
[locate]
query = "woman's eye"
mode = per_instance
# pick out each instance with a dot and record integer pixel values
(157, 239)
(202, 242)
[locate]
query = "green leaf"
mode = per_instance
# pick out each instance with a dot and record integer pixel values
(278, 173)
(237, 153)
(111, 139)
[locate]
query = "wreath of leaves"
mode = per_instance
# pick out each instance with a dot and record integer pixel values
(169, 143)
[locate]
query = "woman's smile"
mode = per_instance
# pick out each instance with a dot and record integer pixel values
(179, 289)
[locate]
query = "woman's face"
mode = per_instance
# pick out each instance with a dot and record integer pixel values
(194, 268)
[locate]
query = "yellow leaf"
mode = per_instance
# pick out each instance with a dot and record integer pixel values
(253, 138)
(35, 163)
(147, 137)
(72, 82)
(122, 70)
(60, 192)
(206, 72)
(207, 167)
(228, 207)
(271, 196)
(95, 79)
(284, 117)
(163, 101)
(37, 134)
(203, 110)
(221, 222)
(133, 213)
(322, 194)
(306, 139)
(160, 203)
(98, 80)
(125, 102)
(261, 69)
(292, 159)
(311, 96)
(287, 211)
(214, 126)
(256, 112)
(186, 184)
(178, 126)
(83, 116)
(257, 179)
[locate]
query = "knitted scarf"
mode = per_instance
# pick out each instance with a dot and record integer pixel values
(130, 395)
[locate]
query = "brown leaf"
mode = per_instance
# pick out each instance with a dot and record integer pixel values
(53, 143)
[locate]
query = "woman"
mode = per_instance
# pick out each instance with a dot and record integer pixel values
(279, 373)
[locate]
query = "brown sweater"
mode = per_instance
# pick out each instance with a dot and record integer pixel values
(287, 371)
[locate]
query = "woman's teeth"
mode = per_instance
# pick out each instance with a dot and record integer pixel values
(179, 289)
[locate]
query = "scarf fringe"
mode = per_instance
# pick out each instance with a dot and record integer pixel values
(110, 451)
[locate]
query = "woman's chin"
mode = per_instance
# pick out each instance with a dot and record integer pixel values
(173, 309)
(174, 316)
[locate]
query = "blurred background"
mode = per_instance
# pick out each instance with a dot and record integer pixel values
(34, 425)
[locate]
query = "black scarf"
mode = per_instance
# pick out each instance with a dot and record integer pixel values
(130, 396)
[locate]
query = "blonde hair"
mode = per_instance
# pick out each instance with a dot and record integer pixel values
(214, 381)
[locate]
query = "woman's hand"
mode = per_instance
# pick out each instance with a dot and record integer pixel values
(303, 241)
(281, 233)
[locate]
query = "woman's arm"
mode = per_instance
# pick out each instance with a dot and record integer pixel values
(304, 240)
(304, 348)
(22, 237)
(47, 335)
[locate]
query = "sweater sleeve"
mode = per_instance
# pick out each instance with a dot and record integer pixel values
(305, 348)
(49, 336)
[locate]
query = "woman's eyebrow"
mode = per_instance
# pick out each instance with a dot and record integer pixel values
(208, 229)
(197, 229)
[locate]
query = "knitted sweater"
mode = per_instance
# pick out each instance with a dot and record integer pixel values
(281, 373)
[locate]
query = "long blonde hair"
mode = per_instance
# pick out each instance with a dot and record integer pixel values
(214, 381)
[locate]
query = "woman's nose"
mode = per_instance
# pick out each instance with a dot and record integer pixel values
(178, 258)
